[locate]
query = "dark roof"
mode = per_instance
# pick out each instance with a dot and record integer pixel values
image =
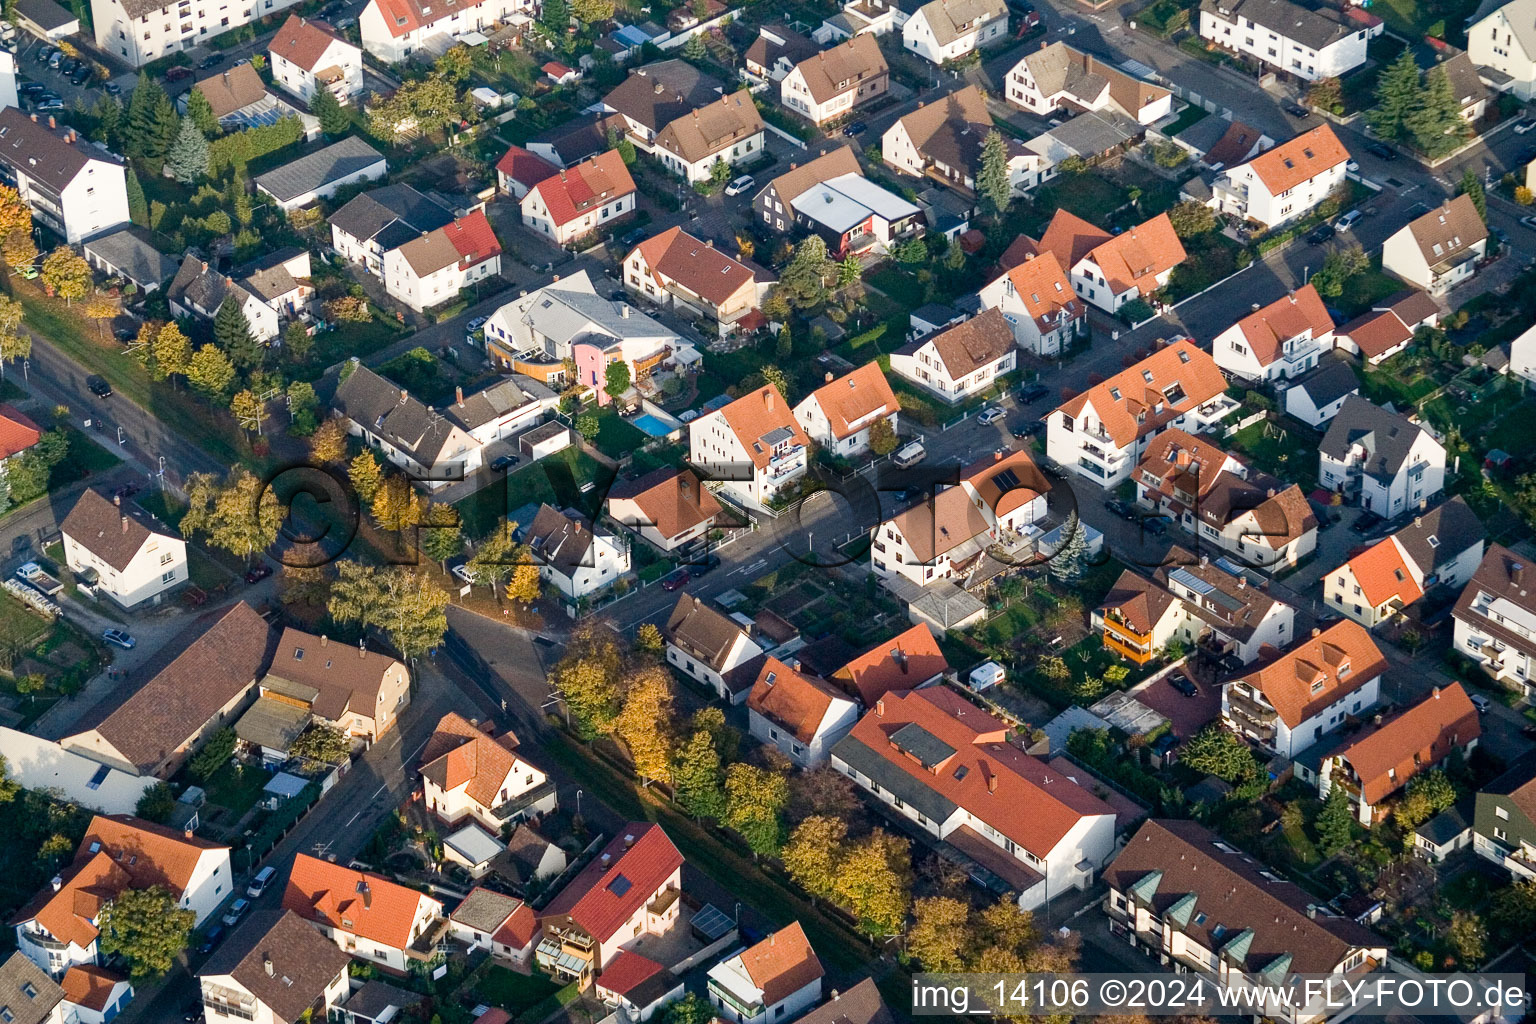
(493, 402)
(1503, 576)
(131, 252)
(17, 972)
(1452, 525)
(1518, 782)
(1448, 824)
(1387, 436)
(560, 540)
(181, 691)
(766, 52)
(1332, 379)
(45, 14)
(657, 94)
(112, 532)
(319, 169)
(577, 139)
(393, 414)
(391, 216)
(859, 1005)
(200, 286)
(377, 996)
(1314, 29)
(1243, 912)
(280, 959)
(52, 156)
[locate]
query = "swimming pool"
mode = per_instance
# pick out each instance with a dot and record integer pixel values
(651, 425)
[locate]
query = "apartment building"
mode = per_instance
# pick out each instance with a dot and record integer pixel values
(77, 189)
(1305, 43)
(139, 31)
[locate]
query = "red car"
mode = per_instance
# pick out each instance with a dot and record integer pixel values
(259, 573)
(676, 580)
(177, 73)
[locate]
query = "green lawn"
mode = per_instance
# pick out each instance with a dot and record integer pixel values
(513, 991)
(1388, 383)
(203, 571)
(1286, 451)
(556, 480)
(20, 626)
(1364, 290)
(236, 787)
(1188, 117)
(616, 436)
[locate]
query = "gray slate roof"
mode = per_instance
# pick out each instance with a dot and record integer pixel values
(391, 216)
(375, 997)
(45, 14)
(388, 412)
(890, 776)
(302, 961)
(17, 976)
(485, 910)
(132, 254)
(557, 539)
(657, 94)
(1312, 28)
(497, 400)
(1330, 381)
(319, 169)
(1452, 525)
(45, 154)
(1386, 436)
(1096, 132)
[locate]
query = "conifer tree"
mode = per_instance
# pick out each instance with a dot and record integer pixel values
(188, 156)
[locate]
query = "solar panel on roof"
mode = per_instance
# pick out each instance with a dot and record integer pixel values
(1007, 480)
(1188, 579)
(619, 886)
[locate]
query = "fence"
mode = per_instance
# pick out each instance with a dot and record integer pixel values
(1246, 421)
(781, 133)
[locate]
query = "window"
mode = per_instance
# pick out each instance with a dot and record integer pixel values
(1501, 814)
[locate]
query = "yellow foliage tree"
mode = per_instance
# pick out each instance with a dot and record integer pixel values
(524, 586)
(646, 723)
(941, 936)
(329, 442)
(812, 854)
(875, 882)
(396, 505)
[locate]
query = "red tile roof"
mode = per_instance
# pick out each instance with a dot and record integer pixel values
(473, 238)
(1383, 573)
(89, 986)
(1376, 333)
(1318, 671)
(359, 902)
(527, 168)
(626, 971)
(592, 183)
(618, 882)
(855, 398)
(1302, 158)
(68, 913)
(697, 266)
(1182, 363)
(755, 415)
(152, 854)
(792, 700)
(303, 41)
(401, 17)
(1043, 286)
(782, 964)
(904, 661)
(1414, 741)
(460, 754)
(519, 929)
(1289, 316)
(17, 432)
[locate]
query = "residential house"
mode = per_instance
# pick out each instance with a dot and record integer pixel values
(727, 131)
(1473, 95)
(865, 17)
(494, 921)
(1282, 340)
(239, 99)
(800, 714)
(320, 174)
(1504, 820)
(1178, 470)
(507, 408)
(654, 96)
(59, 928)
(1387, 329)
(637, 986)
(1306, 43)
(939, 761)
(17, 433)
(273, 969)
(74, 188)
(188, 696)
(1284, 183)
(960, 361)
(753, 448)
(1504, 42)
(430, 448)
(432, 269)
(1058, 77)
(29, 995)
(118, 550)
(1495, 618)
(535, 333)
(1380, 760)
(198, 291)
(1289, 701)
(36, 763)
(674, 269)
(832, 83)
(1317, 396)
(392, 30)
(945, 30)
(1038, 302)
(467, 773)
(1104, 432)
(776, 980)
(907, 661)
(1387, 461)
(943, 140)
(998, 499)
(859, 1004)
(712, 649)
(1440, 249)
(358, 691)
(520, 169)
(628, 892)
(307, 55)
(573, 555)
(830, 197)
(578, 139)
(1222, 617)
(841, 414)
(1181, 893)
(366, 915)
(128, 254)
(776, 51)
(139, 31)
(1093, 137)
(1443, 546)
(669, 507)
(380, 221)
(45, 20)
(1110, 270)
(94, 995)
(581, 199)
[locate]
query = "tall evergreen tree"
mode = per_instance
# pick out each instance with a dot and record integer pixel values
(1067, 563)
(138, 206)
(201, 113)
(556, 17)
(151, 122)
(232, 331)
(1435, 122)
(1471, 185)
(992, 180)
(188, 156)
(1397, 94)
(333, 117)
(108, 113)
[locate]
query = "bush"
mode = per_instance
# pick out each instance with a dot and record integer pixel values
(1524, 196)
(1137, 310)
(873, 334)
(240, 148)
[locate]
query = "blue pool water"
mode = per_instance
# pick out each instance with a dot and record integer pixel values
(651, 425)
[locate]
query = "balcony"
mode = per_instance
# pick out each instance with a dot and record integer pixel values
(1140, 655)
(1250, 715)
(745, 1010)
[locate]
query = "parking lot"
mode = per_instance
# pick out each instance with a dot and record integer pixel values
(59, 90)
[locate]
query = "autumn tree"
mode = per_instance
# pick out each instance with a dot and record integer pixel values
(396, 506)
(1428, 794)
(364, 473)
(211, 372)
(875, 882)
(15, 214)
(66, 274)
(645, 723)
(322, 744)
(696, 780)
(249, 410)
(171, 351)
(524, 585)
(19, 250)
(495, 558)
(814, 852)
(101, 308)
(648, 638)
(882, 439)
(240, 514)
(592, 11)
(15, 340)
(941, 936)
(147, 928)
(408, 606)
(755, 799)
(588, 678)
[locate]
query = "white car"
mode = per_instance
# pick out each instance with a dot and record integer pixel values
(237, 910)
(989, 416)
(1349, 220)
(1525, 125)
(740, 185)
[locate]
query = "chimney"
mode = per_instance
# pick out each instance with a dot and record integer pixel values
(768, 397)
(827, 377)
(771, 937)
(1205, 559)
(51, 122)
(404, 394)
(362, 648)
(458, 395)
(125, 523)
(367, 896)
(606, 858)
(186, 833)
(1435, 693)
(57, 883)
(34, 119)
(1270, 493)
(624, 311)
(266, 961)
(1242, 582)
(1312, 911)
(997, 456)
(1254, 307)
(117, 499)
(324, 639)
(1516, 573)
(991, 782)
(556, 280)
(1316, 632)
(1292, 296)
(629, 840)
(1418, 521)
(880, 708)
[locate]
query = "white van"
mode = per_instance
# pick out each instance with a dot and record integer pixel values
(911, 455)
(260, 882)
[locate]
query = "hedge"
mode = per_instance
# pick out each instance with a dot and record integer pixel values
(240, 148)
(875, 333)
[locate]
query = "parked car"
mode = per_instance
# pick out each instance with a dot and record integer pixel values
(1381, 150)
(990, 415)
(118, 638)
(112, 89)
(1321, 235)
(1524, 125)
(258, 573)
(31, 88)
(82, 74)
(1296, 110)
(633, 238)
(236, 911)
(1349, 220)
(1367, 522)
(856, 129)
(177, 73)
(99, 386)
(56, 59)
(70, 65)
(1184, 685)
(472, 331)
(503, 462)
(462, 572)
(260, 882)
(213, 60)
(740, 185)
(1480, 702)
(211, 938)
(1123, 509)
(1028, 428)
(1033, 392)
(44, 54)
(48, 102)
(1156, 525)
(675, 580)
